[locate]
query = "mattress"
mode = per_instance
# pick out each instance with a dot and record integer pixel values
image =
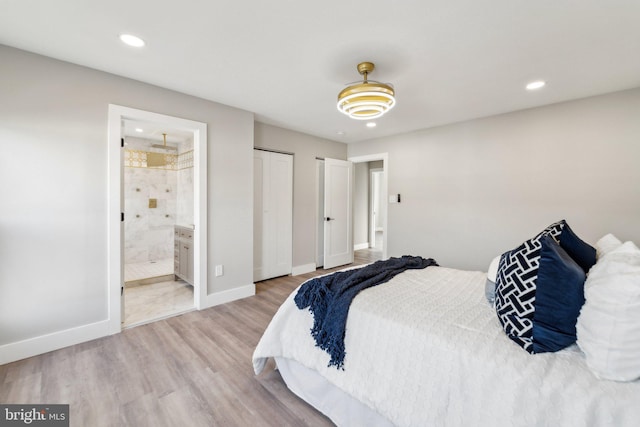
(427, 349)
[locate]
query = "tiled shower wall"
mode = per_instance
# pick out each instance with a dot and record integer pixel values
(185, 189)
(149, 231)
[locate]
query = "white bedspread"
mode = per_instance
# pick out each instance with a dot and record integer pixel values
(426, 349)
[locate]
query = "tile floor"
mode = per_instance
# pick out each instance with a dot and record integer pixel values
(143, 270)
(150, 302)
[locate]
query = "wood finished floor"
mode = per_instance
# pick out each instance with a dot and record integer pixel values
(194, 369)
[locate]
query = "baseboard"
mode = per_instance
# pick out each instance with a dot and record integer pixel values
(222, 297)
(303, 269)
(53, 341)
(360, 246)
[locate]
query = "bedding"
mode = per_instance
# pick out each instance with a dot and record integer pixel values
(329, 297)
(426, 349)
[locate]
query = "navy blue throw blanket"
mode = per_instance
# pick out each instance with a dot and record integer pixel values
(329, 297)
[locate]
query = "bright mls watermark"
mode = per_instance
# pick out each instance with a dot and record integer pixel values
(34, 415)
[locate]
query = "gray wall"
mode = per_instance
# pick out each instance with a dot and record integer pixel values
(305, 149)
(473, 190)
(53, 187)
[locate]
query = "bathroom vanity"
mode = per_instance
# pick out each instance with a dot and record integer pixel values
(183, 253)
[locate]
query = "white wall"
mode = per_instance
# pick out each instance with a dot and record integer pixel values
(473, 190)
(53, 187)
(305, 149)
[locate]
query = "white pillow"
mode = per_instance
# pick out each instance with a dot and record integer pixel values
(607, 244)
(490, 285)
(608, 327)
(493, 269)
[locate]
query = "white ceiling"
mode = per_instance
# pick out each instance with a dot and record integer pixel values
(154, 131)
(286, 60)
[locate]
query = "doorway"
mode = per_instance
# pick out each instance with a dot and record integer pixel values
(158, 207)
(372, 220)
(123, 122)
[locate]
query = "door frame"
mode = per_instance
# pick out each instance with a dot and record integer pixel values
(117, 114)
(385, 192)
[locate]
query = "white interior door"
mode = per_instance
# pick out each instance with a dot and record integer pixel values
(338, 218)
(122, 209)
(282, 214)
(273, 214)
(258, 214)
(320, 213)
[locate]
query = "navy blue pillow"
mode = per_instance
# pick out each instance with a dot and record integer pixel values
(581, 252)
(515, 294)
(559, 296)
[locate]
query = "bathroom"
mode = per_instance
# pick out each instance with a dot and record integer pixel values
(158, 204)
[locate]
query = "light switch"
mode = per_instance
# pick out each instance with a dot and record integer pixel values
(219, 270)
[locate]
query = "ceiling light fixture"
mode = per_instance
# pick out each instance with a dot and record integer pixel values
(366, 100)
(371, 124)
(131, 40)
(536, 85)
(139, 130)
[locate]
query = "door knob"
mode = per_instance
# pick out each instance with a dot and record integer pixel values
(329, 219)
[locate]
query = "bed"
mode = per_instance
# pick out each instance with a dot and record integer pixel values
(427, 349)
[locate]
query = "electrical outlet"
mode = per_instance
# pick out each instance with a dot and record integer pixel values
(219, 270)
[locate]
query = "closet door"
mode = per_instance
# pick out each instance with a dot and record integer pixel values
(259, 159)
(273, 214)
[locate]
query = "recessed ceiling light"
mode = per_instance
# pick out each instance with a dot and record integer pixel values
(371, 124)
(131, 40)
(139, 130)
(536, 85)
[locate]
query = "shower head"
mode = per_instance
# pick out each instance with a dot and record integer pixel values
(165, 146)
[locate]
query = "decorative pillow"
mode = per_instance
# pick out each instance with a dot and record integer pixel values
(607, 244)
(516, 287)
(490, 291)
(559, 297)
(490, 285)
(492, 272)
(609, 323)
(581, 252)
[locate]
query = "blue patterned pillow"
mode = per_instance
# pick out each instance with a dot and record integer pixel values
(516, 287)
